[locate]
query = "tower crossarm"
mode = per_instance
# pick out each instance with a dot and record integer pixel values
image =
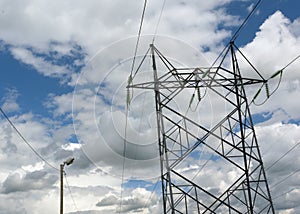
(184, 78)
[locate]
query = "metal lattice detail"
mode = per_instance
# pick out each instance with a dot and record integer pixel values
(231, 140)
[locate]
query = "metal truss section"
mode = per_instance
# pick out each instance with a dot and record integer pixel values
(228, 144)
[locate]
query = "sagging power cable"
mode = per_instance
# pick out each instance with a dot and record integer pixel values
(128, 100)
(158, 22)
(25, 141)
(290, 175)
(266, 85)
(285, 154)
(236, 34)
(285, 178)
(71, 194)
(130, 78)
(138, 37)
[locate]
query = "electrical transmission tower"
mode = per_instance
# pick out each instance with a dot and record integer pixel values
(229, 144)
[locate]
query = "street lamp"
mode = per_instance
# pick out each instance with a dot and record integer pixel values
(68, 162)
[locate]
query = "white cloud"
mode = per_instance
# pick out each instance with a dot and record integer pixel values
(47, 68)
(36, 29)
(108, 201)
(138, 200)
(11, 205)
(275, 45)
(60, 104)
(87, 105)
(14, 146)
(40, 24)
(9, 101)
(275, 141)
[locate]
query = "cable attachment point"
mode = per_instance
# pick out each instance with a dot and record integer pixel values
(267, 90)
(192, 99)
(257, 93)
(199, 94)
(276, 74)
(128, 98)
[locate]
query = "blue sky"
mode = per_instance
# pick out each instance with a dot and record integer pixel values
(33, 87)
(55, 55)
(265, 9)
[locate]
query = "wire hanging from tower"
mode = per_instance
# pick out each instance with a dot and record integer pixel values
(128, 100)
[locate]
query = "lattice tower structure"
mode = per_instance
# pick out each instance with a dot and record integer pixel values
(228, 144)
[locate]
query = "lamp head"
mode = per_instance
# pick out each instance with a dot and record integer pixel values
(69, 161)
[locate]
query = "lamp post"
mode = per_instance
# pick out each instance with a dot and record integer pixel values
(68, 162)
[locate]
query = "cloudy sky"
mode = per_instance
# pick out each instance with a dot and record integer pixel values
(64, 69)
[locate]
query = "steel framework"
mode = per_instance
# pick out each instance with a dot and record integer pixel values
(231, 141)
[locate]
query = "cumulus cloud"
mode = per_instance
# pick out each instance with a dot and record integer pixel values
(58, 38)
(138, 200)
(274, 46)
(37, 180)
(284, 42)
(10, 147)
(37, 33)
(13, 145)
(280, 150)
(108, 201)
(39, 64)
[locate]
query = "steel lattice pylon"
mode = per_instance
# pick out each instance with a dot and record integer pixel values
(231, 140)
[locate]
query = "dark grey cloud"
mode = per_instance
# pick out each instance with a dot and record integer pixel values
(37, 180)
(81, 162)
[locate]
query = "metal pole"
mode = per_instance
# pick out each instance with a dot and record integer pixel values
(61, 188)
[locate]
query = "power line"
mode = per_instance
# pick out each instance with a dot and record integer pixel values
(233, 38)
(151, 194)
(287, 177)
(159, 18)
(128, 102)
(70, 191)
(124, 159)
(275, 162)
(236, 34)
(291, 62)
(282, 194)
(24, 139)
(284, 179)
(291, 149)
(280, 73)
(138, 36)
